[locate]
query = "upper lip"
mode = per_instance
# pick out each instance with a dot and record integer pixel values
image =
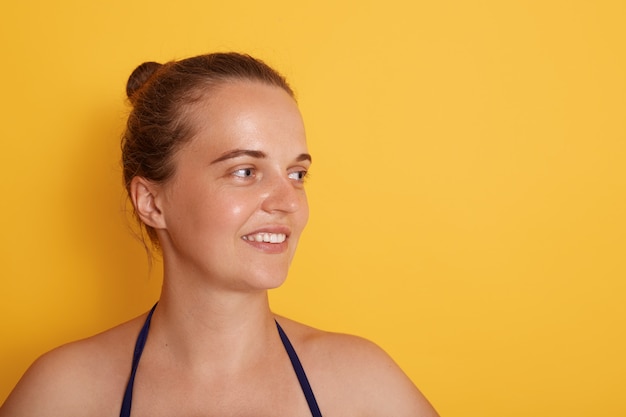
(275, 229)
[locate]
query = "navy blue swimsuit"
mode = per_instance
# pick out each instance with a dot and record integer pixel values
(295, 362)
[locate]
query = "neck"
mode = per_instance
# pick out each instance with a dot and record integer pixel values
(209, 328)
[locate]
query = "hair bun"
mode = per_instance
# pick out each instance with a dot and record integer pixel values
(140, 75)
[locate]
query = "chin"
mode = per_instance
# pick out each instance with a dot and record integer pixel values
(266, 275)
(273, 282)
(268, 280)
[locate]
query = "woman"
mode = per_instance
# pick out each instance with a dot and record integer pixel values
(214, 162)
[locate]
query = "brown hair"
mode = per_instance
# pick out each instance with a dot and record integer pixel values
(161, 95)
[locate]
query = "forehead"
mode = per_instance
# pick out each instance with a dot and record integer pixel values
(237, 112)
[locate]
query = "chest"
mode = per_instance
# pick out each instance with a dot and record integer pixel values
(274, 395)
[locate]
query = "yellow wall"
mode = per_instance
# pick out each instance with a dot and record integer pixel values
(467, 196)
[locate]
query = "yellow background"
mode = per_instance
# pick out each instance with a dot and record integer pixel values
(467, 195)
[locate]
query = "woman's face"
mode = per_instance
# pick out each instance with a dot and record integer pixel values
(236, 206)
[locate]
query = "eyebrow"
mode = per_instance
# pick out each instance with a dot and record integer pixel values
(254, 154)
(304, 157)
(239, 152)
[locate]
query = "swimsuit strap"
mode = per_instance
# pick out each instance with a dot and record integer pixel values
(297, 366)
(295, 362)
(141, 342)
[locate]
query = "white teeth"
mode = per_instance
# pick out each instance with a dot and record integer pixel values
(266, 237)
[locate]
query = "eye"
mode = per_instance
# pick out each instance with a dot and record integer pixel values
(244, 173)
(298, 175)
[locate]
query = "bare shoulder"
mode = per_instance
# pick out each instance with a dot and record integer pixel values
(353, 375)
(81, 378)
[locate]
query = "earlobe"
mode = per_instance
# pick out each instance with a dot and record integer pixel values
(144, 195)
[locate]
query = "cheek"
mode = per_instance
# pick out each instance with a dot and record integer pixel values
(229, 211)
(206, 214)
(236, 210)
(304, 213)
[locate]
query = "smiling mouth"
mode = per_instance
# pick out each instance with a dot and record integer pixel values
(266, 237)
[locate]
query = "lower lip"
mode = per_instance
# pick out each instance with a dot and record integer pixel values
(266, 247)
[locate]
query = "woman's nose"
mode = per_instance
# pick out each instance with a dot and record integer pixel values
(284, 195)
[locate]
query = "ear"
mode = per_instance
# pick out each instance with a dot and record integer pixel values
(145, 197)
